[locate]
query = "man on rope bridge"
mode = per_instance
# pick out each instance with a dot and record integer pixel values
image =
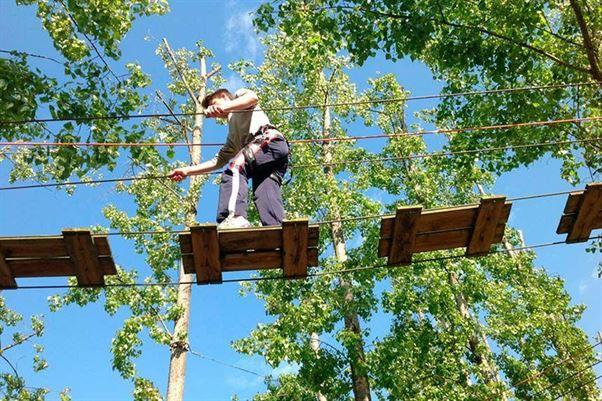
(254, 149)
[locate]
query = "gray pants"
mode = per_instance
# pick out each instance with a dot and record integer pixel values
(267, 171)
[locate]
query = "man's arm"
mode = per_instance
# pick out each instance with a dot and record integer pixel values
(179, 174)
(243, 102)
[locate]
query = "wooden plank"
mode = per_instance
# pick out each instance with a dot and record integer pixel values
(186, 251)
(442, 220)
(103, 250)
(56, 267)
(294, 248)
(7, 280)
(501, 224)
(404, 234)
(572, 202)
(205, 246)
(188, 263)
(567, 221)
(430, 221)
(84, 257)
(244, 239)
(313, 257)
(485, 225)
(313, 237)
(185, 243)
(432, 241)
(101, 243)
(33, 247)
(53, 267)
(252, 260)
(441, 241)
(261, 260)
(436, 220)
(590, 207)
(386, 228)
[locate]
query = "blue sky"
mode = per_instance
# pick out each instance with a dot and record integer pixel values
(77, 340)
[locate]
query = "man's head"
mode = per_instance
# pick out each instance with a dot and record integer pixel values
(217, 98)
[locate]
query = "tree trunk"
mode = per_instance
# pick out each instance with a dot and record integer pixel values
(360, 382)
(315, 346)
(482, 359)
(591, 48)
(179, 345)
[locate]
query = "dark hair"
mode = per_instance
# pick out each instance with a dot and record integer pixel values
(207, 99)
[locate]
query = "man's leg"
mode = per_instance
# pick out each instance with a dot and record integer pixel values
(233, 190)
(271, 163)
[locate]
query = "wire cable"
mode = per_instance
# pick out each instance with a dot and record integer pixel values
(446, 131)
(578, 373)
(583, 384)
(317, 274)
(309, 106)
(312, 165)
(217, 361)
(354, 218)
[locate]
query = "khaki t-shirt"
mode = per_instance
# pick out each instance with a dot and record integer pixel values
(242, 126)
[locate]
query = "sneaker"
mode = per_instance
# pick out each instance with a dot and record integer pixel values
(234, 222)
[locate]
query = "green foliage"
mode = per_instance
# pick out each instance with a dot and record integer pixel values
(159, 205)
(84, 34)
(475, 45)
(106, 22)
(12, 386)
(431, 350)
(87, 87)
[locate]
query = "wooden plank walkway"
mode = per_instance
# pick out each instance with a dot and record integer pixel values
(209, 252)
(412, 230)
(75, 253)
(582, 214)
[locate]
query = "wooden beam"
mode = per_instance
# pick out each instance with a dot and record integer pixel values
(205, 247)
(53, 267)
(253, 238)
(252, 260)
(573, 202)
(33, 247)
(84, 257)
(404, 235)
(7, 280)
(485, 225)
(294, 248)
(591, 205)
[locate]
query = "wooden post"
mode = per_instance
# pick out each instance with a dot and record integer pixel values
(179, 343)
(488, 215)
(588, 211)
(84, 257)
(7, 280)
(294, 248)
(404, 235)
(205, 248)
(359, 380)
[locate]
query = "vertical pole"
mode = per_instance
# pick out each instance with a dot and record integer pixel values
(179, 344)
(359, 380)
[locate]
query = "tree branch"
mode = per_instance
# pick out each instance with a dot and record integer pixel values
(479, 29)
(206, 77)
(21, 341)
(185, 128)
(590, 48)
(13, 52)
(213, 72)
(88, 39)
(175, 64)
(556, 35)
